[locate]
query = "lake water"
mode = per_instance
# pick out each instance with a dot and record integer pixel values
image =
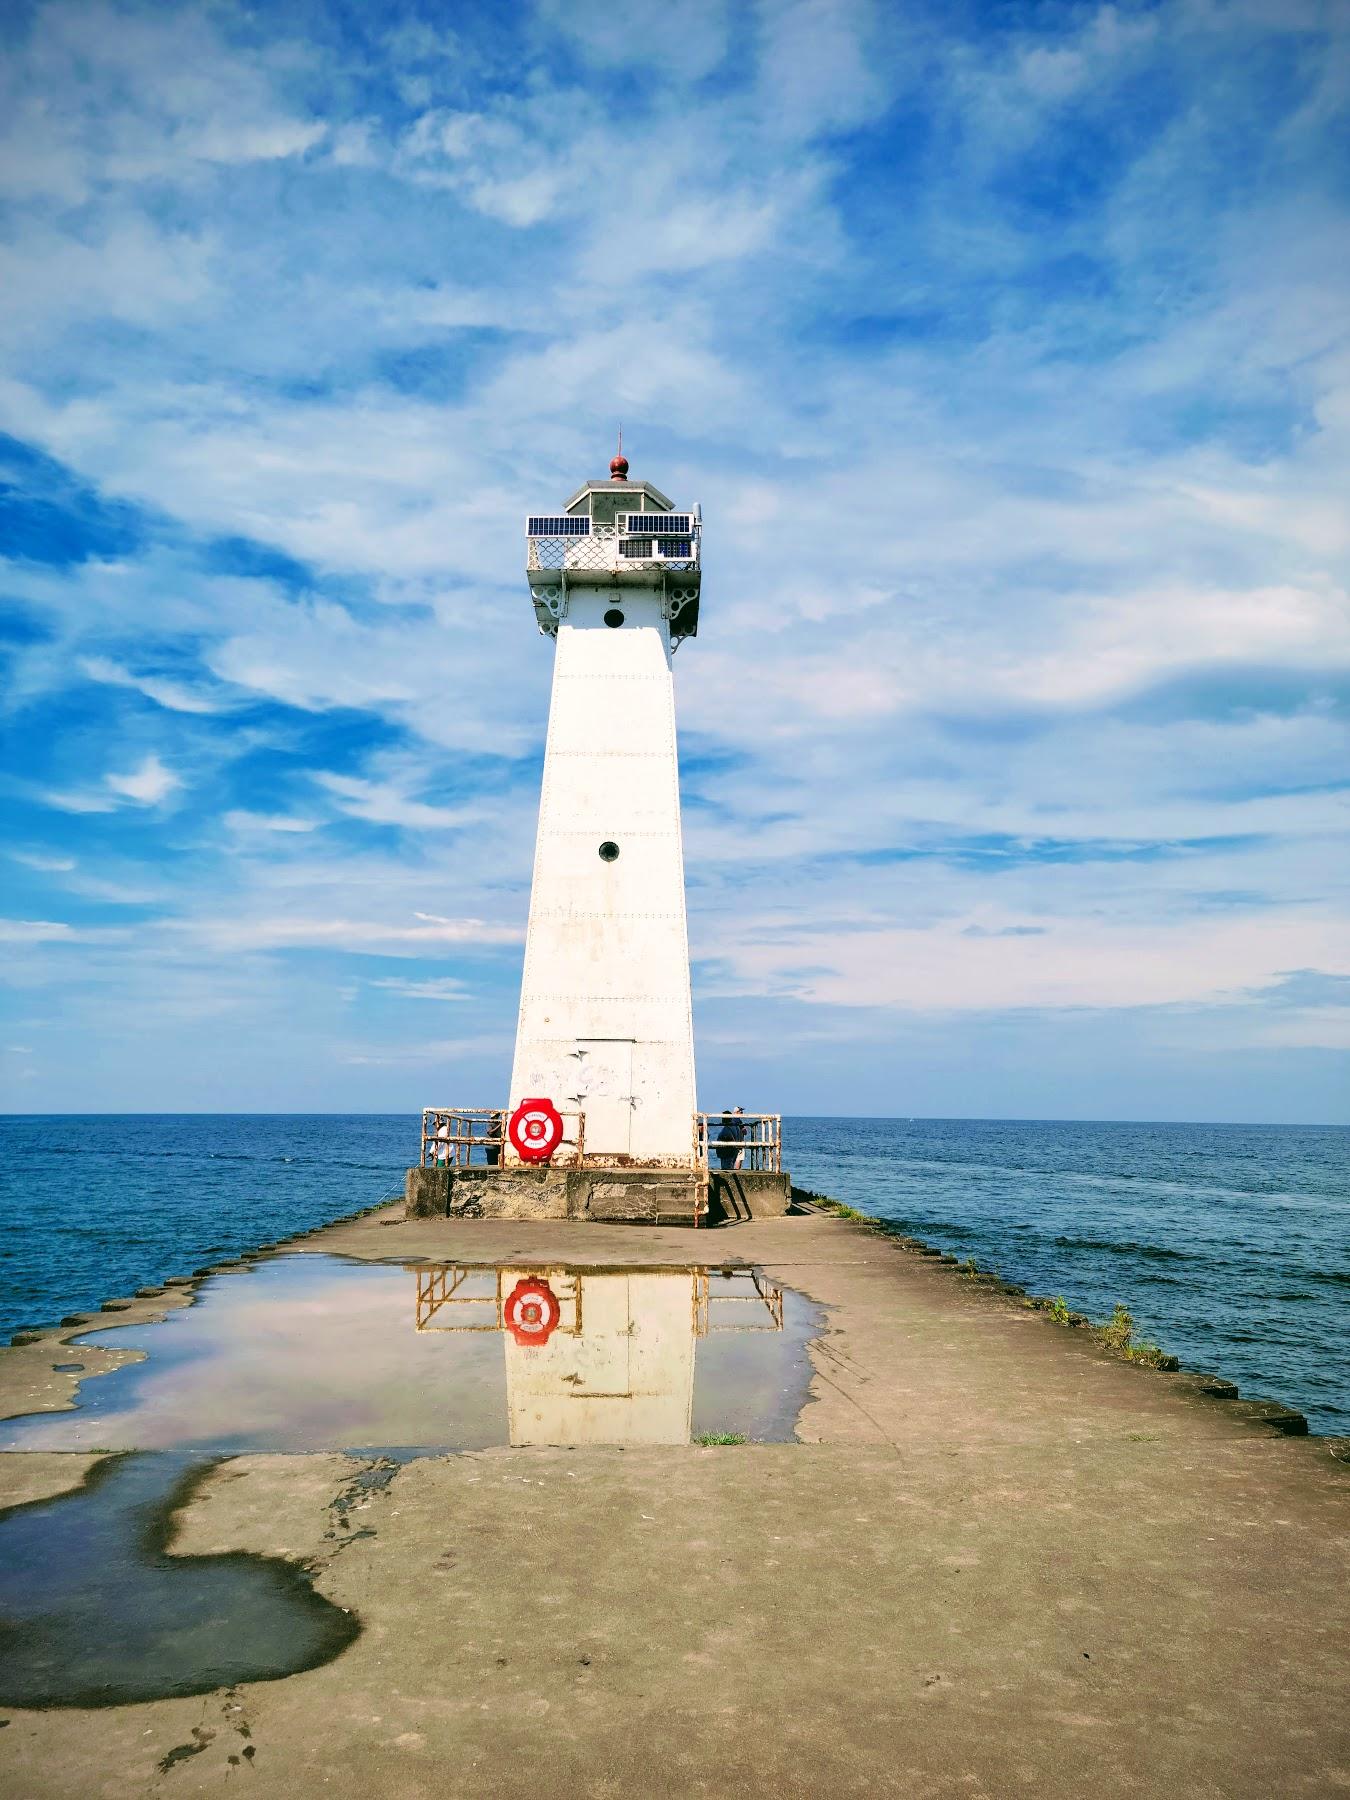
(1230, 1244)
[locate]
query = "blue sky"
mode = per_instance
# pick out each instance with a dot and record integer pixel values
(1006, 347)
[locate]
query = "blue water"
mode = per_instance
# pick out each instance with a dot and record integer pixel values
(1230, 1244)
(92, 1208)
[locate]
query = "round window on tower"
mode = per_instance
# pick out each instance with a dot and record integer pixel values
(614, 618)
(609, 851)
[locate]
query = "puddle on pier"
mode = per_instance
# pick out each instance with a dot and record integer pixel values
(313, 1352)
(93, 1612)
(310, 1352)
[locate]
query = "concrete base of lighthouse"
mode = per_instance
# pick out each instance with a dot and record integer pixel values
(608, 1196)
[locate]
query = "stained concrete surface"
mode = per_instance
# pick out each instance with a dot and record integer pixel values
(999, 1563)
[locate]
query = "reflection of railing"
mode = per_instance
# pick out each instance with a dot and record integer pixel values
(760, 1148)
(604, 547)
(463, 1286)
(761, 1295)
(455, 1137)
(443, 1286)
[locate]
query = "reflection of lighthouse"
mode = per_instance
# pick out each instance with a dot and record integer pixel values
(626, 1376)
(597, 1356)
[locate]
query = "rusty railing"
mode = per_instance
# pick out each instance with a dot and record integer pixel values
(457, 1136)
(454, 1137)
(760, 1150)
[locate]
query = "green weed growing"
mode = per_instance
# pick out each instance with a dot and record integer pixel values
(1117, 1334)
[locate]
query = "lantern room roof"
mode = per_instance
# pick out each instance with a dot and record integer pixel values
(656, 500)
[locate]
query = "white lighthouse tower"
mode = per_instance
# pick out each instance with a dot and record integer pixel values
(601, 1119)
(605, 1023)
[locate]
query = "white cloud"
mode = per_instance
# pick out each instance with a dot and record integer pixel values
(821, 64)
(46, 864)
(693, 34)
(147, 784)
(445, 988)
(102, 95)
(135, 273)
(361, 936)
(173, 695)
(34, 931)
(73, 801)
(1066, 963)
(382, 803)
(245, 822)
(475, 1046)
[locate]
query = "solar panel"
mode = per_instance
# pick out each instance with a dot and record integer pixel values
(564, 525)
(658, 524)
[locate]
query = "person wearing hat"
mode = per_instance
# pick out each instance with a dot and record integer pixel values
(731, 1138)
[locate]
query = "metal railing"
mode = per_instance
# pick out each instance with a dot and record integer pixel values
(459, 1136)
(454, 1137)
(760, 1149)
(607, 548)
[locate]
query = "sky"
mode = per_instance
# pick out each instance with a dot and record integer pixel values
(1007, 349)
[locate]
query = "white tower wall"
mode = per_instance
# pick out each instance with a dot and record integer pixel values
(605, 1017)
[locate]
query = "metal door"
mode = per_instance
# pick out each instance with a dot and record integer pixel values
(605, 1086)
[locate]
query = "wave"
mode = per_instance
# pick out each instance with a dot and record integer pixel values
(1126, 1247)
(932, 1227)
(1138, 1185)
(108, 1155)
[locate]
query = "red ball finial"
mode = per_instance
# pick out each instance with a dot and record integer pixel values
(618, 465)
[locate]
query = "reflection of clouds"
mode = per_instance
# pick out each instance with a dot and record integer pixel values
(300, 1354)
(755, 1382)
(309, 1353)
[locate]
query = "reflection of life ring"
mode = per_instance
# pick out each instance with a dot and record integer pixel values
(536, 1130)
(531, 1312)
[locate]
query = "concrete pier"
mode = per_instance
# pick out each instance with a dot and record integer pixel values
(999, 1562)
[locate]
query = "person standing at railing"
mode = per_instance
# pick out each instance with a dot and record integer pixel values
(496, 1124)
(730, 1139)
(443, 1143)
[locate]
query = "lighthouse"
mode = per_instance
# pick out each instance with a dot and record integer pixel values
(605, 1025)
(601, 1120)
